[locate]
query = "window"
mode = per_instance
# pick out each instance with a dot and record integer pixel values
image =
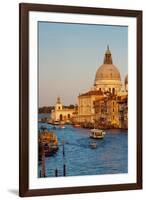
(61, 117)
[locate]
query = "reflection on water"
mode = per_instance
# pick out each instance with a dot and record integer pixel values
(110, 156)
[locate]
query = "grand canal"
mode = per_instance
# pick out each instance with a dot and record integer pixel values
(110, 156)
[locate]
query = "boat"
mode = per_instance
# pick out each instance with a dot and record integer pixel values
(93, 145)
(48, 143)
(54, 127)
(77, 125)
(62, 126)
(43, 128)
(97, 134)
(56, 123)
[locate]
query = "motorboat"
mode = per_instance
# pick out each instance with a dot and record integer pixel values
(93, 145)
(77, 125)
(97, 134)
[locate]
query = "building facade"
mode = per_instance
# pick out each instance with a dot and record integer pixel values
(60, 113)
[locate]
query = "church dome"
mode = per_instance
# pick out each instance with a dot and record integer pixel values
(107, 72)
(107, 75)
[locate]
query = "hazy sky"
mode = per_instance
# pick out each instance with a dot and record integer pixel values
(70, 54)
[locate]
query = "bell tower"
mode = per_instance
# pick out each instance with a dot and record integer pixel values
(58, 105)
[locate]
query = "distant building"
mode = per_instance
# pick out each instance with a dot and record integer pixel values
(123, 111)
(60, 113)
(86, 111)
(106, 111)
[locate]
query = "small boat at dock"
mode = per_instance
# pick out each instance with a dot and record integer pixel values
(77, 125)
(48, 143)
(56, 123)
(97, 134)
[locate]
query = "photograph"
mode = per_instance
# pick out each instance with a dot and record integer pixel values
(80, 81)
(82, 99)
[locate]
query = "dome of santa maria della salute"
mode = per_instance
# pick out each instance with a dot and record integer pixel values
(108, 77)
(107, 72)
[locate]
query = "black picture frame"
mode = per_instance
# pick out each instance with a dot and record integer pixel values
(24, 9)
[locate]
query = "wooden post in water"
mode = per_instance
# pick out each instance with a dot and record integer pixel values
(43, 162)
(64, 170)
(63, 151)
(56, 172)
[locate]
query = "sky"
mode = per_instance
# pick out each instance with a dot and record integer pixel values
(70, 54)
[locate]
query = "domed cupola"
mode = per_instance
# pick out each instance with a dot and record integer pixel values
(108, 77)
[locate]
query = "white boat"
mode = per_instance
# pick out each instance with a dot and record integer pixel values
(97, 133)
(62, 126)
(93, 145)
(77, 125)
(56, 123)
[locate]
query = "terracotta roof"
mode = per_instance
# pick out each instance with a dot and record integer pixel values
(100, 98)
(92, 92)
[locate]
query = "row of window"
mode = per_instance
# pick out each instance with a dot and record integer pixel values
(61, 116)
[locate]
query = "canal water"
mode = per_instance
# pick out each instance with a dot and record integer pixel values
(110, 156)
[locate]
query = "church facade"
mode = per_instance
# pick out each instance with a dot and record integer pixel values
(60, 113)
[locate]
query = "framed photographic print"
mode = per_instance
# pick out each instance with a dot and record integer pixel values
(80, 99)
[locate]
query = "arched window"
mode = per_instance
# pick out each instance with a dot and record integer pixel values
(61, 117)
(68, 116)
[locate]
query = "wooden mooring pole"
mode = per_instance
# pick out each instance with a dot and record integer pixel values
(56, 172)
(43, 162)
(64, 170)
